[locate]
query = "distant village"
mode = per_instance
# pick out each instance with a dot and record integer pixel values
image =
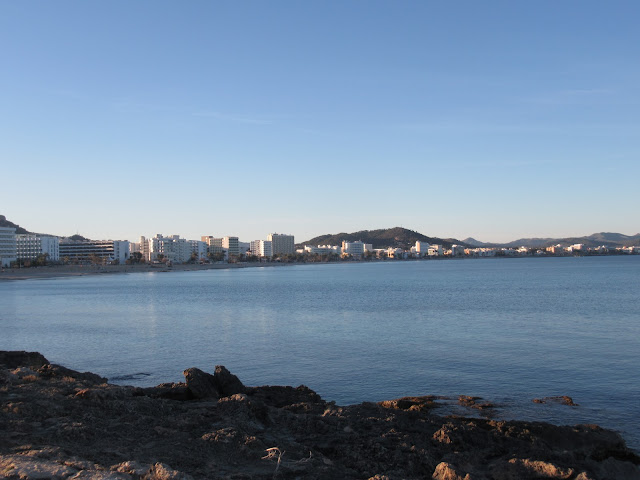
(30, 249)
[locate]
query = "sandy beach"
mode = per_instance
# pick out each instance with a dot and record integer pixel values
(78, 270)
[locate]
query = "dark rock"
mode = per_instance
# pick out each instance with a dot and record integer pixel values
(472, 402)
(563, 399)
(279, 396)
(423, 403)
(227, 383)
(59, 426)
(200, 384)
(58, 371)
(15, 359)
(170, 391)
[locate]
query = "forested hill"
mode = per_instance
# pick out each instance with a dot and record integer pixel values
(6, 223)
(387, 237)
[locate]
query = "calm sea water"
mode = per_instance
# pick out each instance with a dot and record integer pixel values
(508, 330)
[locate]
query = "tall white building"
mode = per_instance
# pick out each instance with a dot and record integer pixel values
(30, 246)
(262, 248)
(8, 251)
(281, 244)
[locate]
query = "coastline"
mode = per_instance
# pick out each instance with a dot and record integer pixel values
(53, 271)
(60, 423)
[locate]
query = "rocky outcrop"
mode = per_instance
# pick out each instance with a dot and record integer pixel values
(60, 424)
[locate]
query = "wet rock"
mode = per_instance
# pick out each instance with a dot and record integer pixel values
(563, 399)
(472, 402)
(424, 403)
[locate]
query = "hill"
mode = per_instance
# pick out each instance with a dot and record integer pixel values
(382, 238)
(6, 223)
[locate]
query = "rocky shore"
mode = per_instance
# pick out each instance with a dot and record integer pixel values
(56, 423)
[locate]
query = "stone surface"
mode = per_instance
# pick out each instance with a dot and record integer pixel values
(200, 384)
(58, 423)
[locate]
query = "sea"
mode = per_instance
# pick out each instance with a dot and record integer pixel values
(507, 330)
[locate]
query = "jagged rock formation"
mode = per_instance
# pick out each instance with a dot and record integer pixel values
(60, 424)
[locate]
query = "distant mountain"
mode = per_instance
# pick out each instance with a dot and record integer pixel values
(594, 240)
(383, 238)
(6, 223)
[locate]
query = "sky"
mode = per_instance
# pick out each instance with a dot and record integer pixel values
(495, 120)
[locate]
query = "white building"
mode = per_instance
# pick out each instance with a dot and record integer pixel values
(323, 249)
(8, 251)
(30, 246)
(578, 247)
(262, 248)
(244, 247)
(282, 244)
(355, 249)
(214, 246)
(232, 245)
(435, 251)
(422, 248)
(173, 248)
(199, 248)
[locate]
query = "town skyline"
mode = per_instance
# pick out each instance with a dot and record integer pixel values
(469, 240)
(495, 122)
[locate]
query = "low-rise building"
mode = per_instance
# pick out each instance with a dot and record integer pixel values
(85, 250)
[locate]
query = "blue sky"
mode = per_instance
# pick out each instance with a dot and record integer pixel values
(496, 120)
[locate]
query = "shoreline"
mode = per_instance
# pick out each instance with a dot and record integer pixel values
(58, 271)
(60, 423)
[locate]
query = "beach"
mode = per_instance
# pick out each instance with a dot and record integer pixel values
(79, 270)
